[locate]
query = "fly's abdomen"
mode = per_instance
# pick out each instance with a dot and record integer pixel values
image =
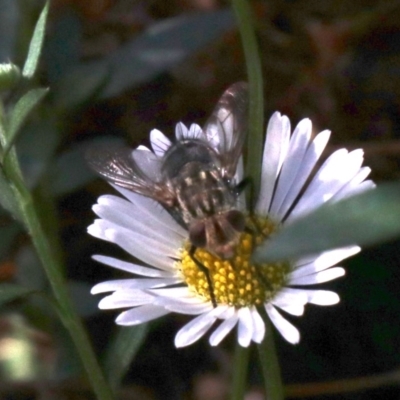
(202, 193)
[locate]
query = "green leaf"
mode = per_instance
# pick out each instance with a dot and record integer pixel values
(71, 170)
(34, 159)
(365, 219)
(20, 113)
(35, 47)
(77, 89)
(7, 198)
(159, 48)
(10, 292)
(122, 350)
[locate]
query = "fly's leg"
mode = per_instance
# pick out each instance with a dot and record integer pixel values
(253, 230)
(241, 186)
(205, 271)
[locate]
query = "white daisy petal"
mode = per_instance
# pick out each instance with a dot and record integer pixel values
(275, 149)
(97, 230)
(238, 178)
(285, 328)
(141, 247)
(181, 132)
(323, 297)
(151, 283)
(140, 240)
(195, 329)
(159, 142)
(312, 155)
(291, 308)
(141, 147)
(223, 329)
(297, 148)
(258, 326)
(353, 189)
(136, 225)
(124, 300)
(149, 210)
(324, 261)
(229, 312)
(130, 284)
(352, 184)
(132, 268)
(110, 286)
(179, 293)
(140, 315)
(335, 173)
(195, 132)
(287, 296)
(103, 287)
(319, 277)
(148, 163)
(185, 308)
(245, 327)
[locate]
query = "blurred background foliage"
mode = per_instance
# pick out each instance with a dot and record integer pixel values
(117, 69)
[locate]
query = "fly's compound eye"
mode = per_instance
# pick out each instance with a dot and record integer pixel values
(236, 220)
(197, 234)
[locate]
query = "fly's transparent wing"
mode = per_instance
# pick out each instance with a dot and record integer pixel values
(137, 170)
(226, 128)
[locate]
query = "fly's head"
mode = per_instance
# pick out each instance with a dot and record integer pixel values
(219, 234)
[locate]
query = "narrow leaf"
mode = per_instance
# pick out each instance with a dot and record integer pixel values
(34, 160)
(86, 87)
(20, 112)
(10, 292)
(163, 46)
(159, 48)
(365, 219)
(71, 170)
(35, 47)
(122, 351)
(7, 199)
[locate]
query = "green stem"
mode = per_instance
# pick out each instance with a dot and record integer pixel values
(244, 19)
(270, 365)
(53, 270)
(240, 364)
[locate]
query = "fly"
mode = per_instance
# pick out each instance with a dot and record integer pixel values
(194, 180)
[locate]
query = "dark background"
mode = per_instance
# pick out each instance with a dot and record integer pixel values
(336, 62)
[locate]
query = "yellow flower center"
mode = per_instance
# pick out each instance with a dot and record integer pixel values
(238, 281)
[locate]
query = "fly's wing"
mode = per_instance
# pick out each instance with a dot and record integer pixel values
(226, 128)
(137, 170)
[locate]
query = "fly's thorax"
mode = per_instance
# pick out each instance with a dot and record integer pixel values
(184, 152)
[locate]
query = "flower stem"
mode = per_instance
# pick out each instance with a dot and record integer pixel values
(53, 269)
(270, 365)
(244, 19)
(240, 364)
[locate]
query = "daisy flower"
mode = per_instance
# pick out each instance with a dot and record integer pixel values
(170, 281)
